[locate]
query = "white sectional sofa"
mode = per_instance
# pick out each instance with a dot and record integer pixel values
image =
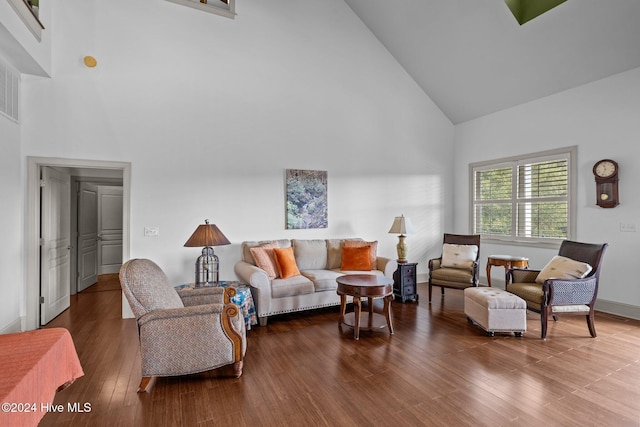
(319, 262)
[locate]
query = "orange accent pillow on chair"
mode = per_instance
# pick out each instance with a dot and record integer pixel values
(356, 258)
(286, 262)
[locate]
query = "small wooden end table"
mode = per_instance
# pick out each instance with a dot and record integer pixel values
(404, 278)
(365, 286)
(507, 261)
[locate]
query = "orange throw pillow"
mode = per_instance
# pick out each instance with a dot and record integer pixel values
(264, 258)
(286, 262)
(373, 251)
(356, 258)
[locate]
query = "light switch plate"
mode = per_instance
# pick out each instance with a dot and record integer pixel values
(628, 227)
(151, 231)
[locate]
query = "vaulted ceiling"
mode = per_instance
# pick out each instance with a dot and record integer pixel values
(473, 58)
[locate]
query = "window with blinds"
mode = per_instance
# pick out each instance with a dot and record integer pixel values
(527, 198)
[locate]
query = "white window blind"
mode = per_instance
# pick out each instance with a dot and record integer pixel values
(524, 199)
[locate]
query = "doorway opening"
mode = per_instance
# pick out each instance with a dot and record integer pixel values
(106, 173)
(96, 229)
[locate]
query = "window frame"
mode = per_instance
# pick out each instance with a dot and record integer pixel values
(568, 153)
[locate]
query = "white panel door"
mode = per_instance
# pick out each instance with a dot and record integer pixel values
(87, 236)
(109, 229)
(55, 249)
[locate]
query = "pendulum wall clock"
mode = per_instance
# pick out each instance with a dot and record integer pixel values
(606, 174)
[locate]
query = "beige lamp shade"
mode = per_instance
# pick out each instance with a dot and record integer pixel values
(402, 226)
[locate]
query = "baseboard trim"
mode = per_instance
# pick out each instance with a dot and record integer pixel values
(618, 308)
(15, 326)
(422, 277)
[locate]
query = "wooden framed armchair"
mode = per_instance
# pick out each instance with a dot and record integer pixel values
(456, 269)
(182, 332)
(561, 295)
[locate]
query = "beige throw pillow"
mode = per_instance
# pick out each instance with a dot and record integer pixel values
(563, 268)
(265, 259)
(459, 256)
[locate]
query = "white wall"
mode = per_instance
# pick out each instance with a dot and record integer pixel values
(11, 250)
(211, 111)
(602, 120)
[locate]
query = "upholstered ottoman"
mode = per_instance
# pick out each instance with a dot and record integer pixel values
(495, 310)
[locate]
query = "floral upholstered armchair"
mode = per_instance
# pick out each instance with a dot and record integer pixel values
(182, 332)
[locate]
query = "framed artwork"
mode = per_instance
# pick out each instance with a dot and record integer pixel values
(306, 199)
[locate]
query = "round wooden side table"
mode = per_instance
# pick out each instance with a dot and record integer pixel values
(507, 261)
(370, 287)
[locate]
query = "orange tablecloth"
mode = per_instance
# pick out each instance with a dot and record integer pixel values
(33, 366)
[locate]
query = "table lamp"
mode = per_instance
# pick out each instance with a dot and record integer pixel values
(402, 226)
(207, 235)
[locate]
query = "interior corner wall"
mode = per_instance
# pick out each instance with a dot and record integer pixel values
(211, 112)
(11, 224)
(601, 119)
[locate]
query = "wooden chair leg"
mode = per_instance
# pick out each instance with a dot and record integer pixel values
(591, 325)
(544, 320)
(143, 384)
(430, 290)
(237, 368)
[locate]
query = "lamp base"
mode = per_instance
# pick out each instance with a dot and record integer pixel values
(207, 268)
(402, 249)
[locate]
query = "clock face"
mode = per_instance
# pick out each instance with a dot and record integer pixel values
(605, 168)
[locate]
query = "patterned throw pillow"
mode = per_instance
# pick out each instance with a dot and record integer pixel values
(373, 250)
(356, 258)
(563, 268)
(459, 256)
(265, 259)
(286, 262)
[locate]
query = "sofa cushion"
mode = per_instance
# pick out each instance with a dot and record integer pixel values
(356, 258)
(310, 254)
(247, 245)
(563, 268)
(323, 280)
(286, 262)
(373, 249)
(291, 286)
(265, 259)
(459, 256)
(334, 253)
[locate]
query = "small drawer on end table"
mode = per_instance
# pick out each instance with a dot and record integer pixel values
(404, 286)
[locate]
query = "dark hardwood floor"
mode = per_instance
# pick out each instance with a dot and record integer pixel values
(304, 370)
